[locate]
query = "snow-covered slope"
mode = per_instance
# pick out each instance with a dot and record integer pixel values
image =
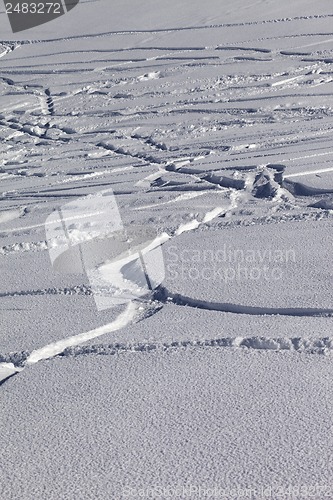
(211, 123)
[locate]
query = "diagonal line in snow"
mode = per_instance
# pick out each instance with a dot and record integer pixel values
(288, 80)
(7, 370)
(194, 223)
(181, 197)
(51, 350)
(310, 172)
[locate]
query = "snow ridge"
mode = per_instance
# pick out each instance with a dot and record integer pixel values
(299, 344)
(321, 345)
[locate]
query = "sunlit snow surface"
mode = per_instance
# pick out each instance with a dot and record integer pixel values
(199, 354)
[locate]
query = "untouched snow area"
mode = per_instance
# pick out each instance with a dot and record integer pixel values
(166, 217)
(102, 427)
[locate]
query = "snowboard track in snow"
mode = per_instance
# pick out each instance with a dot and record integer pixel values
(165, 296)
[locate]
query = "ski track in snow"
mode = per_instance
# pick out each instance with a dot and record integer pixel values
(49, 351)
(165, 296)
(312, 346)
(55, 348)
(323, 346)
(125, 318)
